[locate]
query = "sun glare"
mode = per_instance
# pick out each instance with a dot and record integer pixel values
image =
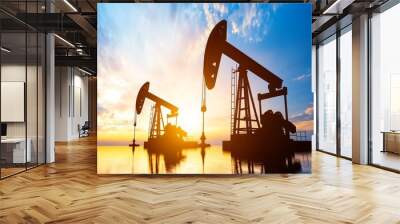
(190, 120)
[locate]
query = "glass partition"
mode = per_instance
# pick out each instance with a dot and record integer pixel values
(346, 92)
(22, 78)
(13, 94)
(41, 97)
(32, 95)
(385, 89)
(327, 95)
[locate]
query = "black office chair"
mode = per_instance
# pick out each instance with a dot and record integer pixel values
(84, 130)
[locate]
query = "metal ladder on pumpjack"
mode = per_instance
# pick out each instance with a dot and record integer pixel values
(233, 95)
(151, 120)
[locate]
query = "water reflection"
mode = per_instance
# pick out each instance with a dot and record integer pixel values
(210, 160)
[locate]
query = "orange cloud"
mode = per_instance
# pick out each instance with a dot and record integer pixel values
(304, 125)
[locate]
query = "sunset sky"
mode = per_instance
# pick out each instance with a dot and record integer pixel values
(164, 44)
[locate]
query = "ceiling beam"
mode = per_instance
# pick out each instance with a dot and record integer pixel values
(49, 22)
(81, 61)
(337, 7)
(84, 24)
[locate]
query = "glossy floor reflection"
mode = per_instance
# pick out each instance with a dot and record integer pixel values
(211, 160)
(386, 159)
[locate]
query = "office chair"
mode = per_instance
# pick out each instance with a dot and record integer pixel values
(84, 130)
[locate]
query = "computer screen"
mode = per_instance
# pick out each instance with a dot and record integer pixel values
(3, 129)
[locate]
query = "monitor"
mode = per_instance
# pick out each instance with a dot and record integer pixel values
(3, 129)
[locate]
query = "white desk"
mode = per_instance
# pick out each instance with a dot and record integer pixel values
(18, 151)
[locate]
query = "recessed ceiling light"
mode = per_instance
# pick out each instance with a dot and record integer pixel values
(70, 5)
(338, 6)
(84, 71)
(65, 41)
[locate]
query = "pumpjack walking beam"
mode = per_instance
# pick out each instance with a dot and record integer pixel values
(215, 47)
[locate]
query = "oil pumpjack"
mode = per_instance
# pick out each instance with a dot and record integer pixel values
(161, 135)
(245, 111)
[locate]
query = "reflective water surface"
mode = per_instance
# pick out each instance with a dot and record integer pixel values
(211, 160)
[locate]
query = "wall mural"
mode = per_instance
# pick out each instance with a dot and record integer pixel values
(204, 88)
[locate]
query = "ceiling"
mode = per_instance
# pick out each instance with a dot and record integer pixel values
(75, 23)
(329, 16)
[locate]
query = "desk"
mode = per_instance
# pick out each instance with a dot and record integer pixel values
(391, 141)
(15, 148)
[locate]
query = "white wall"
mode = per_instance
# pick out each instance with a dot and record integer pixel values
(16, 73)
(62, 82)
(71, 102)
(80, 110)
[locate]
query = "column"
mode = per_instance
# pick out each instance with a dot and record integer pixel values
(360, 90)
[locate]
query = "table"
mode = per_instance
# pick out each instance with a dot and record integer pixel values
(391, 141)
(15, 148)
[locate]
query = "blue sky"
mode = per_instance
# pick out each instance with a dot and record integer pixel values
(164, 44)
